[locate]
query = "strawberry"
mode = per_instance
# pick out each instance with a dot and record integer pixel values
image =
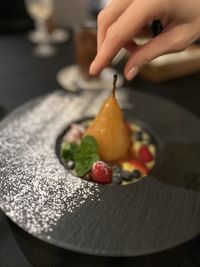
(101, 173)
(144, 154)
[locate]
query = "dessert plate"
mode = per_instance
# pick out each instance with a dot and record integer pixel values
(155, 214)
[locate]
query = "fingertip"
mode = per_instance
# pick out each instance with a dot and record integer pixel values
(92, 68)
(131, 73)
(96, 67)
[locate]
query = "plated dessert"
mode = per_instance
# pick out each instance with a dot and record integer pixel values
(47, 201)
(108, 149)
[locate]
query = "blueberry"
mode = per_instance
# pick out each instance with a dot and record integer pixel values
(117, 179)
(116, 168)
(139, 136)
(117, 171)
(136, 174)
(127, 176)
(70, 164)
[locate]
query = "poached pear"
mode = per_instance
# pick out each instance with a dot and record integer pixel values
(110, 131)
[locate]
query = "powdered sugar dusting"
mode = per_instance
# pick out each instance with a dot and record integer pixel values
(36, 190)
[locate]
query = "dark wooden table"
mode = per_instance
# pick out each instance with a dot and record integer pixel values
(24, 77)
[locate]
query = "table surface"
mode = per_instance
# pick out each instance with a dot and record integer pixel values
(24, 77)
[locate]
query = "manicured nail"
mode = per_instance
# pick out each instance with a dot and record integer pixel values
(92, 68)
(108, 3)
(131, 73)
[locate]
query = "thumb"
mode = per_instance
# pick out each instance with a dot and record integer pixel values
(173, 39)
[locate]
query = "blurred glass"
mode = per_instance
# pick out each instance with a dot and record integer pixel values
(85, 41)
(77, 77)
(41, 11)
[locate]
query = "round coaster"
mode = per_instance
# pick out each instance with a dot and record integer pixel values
(70, 79)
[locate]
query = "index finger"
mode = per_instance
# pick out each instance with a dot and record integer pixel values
(120, 33)
(108, 16)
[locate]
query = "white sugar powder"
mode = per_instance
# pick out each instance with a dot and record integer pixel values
(35, 189)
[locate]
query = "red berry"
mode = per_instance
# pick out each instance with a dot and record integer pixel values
(101, 173)
(145, 155)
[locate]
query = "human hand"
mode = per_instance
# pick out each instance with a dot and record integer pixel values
(122, 20)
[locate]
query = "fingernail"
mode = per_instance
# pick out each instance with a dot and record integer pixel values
(132, 73)
(108, 3)
(92, 68)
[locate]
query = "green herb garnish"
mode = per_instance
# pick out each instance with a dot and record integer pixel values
(69, 151)
(84, 155)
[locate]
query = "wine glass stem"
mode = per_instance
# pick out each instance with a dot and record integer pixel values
(41, 26)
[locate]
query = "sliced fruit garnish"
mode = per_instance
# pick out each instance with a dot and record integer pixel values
(131, 165)
(144, 154)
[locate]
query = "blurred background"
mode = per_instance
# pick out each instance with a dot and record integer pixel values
(49, 44)
(15, 18)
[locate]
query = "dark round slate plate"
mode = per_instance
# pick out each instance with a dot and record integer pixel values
(38, 194)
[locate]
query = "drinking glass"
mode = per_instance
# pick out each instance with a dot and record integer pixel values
(41, 11)
(76, 77)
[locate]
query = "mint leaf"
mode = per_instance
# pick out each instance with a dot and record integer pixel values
(86, 156)
(68, 151)
(83, 163)
(88, 143)
(74, 149)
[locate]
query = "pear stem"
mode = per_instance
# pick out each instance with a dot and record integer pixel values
(114, 84)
